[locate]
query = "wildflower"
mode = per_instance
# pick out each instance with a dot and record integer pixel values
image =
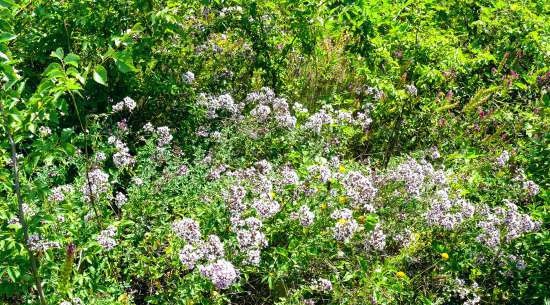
(105, 238)
(531, 187)
(411, 89)
(376, 239)
(360, 189)
(100, 157)
(212, 248)
(164, 136)
(59, 192)
(96, 184)
(189, 77)
(187, 229)
(120, 199)
(266, 207)
(345, 226)
(189, 255)
(37, 244)
(323, 285)
(400, 274)
(503, 158)
(222, 273)
(44, 131)
(304, 215)
(444, 256)
(127, 103)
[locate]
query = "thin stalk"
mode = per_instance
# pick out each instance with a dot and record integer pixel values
(88, 182)
(21, 212)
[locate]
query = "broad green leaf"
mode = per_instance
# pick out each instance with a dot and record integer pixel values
(59, 54)
(100, 75)
(125, 65)
(5, 36)
(72, 59)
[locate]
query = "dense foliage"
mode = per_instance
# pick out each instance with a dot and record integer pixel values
(274, 152)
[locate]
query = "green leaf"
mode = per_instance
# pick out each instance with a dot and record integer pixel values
(125, 66)
(7, 3)
(5, 36)
(72, 59)
(59, 54)
(100, 75)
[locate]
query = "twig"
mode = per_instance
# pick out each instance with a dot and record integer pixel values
(21, 212)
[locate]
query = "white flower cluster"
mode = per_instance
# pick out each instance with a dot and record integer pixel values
(126, 104)
(106, 238)
(38, 245)
(217, 104)
(59, 192)
(97, 183)
(122, 158)
(508, 221)
(304, 215)
(345, 226)
(187, 229)
(269, 106)
(448, 212)
(376, 239)
(360, 189)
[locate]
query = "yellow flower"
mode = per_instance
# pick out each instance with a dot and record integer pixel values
(444, 256)
(342, 199)
(400, 274)
(342, 221)
(361, 219)
(272, 195)
(342, 169)
(323, 206)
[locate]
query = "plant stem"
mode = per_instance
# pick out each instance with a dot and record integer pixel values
(21, 212)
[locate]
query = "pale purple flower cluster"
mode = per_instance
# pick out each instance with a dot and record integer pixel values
(100, 157)
(503, 158)
(434, 153)
(59, 192)
(120, 199)
(164, 136)
(317, 120)
(39, 245)
(97, 184)
(376, 239)
(289, 176)
(322, 285)
(250, 238)
(509, 221)
(417, 175)
(266, 207)
(304, 215)
(531, 187)
(222, 273)
(122, 158)
(269, 106)
(404, 238)
(187, 229)
(345, 226)
(223, 102)
(411, 89)
(210, 250)
(448, 212)
(360, 189)
(364, 120)
(216, 172)
(126, 104)
(106, 238)
(322, 172)
(188, 77)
